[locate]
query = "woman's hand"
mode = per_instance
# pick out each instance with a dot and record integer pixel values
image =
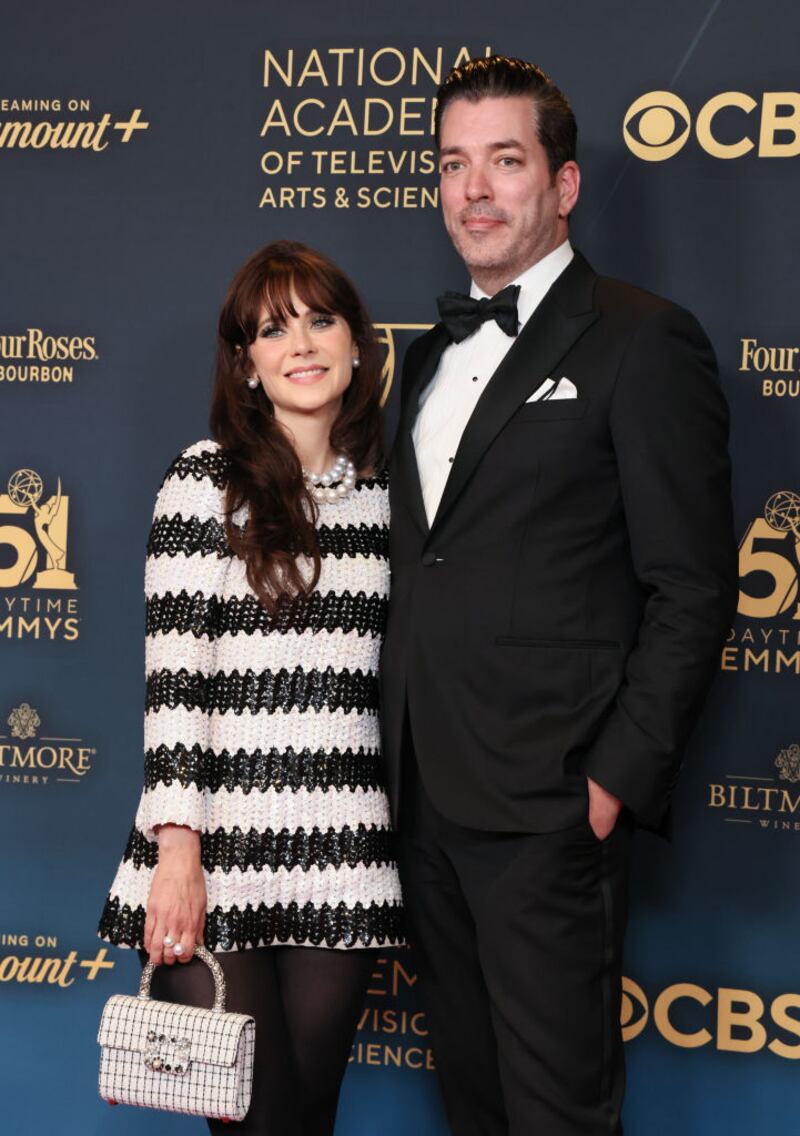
(176, 907)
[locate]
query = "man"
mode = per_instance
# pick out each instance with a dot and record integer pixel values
(563, 574)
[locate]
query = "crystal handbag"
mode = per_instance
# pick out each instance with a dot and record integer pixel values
(178, 1058)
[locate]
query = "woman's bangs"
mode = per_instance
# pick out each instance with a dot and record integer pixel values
(296, 281)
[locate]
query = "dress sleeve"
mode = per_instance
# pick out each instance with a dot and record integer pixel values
(187, 559)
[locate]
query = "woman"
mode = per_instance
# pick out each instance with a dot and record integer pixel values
(263, 827)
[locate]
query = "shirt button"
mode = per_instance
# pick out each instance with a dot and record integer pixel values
(474, 378)
(451, 460)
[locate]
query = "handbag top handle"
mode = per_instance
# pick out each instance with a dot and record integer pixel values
(212, 964)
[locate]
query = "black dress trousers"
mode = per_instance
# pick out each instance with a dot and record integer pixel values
(519, 946)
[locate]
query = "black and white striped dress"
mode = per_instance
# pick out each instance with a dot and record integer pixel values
(261, 732)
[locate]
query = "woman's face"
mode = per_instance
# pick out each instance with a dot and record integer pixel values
(305, 362)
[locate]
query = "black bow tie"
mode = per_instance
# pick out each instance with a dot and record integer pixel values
(461, 315)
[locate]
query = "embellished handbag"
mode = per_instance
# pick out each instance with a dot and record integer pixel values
(178, 1058)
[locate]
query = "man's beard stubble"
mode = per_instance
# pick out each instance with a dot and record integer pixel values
(469, 245)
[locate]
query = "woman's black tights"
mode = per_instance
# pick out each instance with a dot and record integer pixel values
(306, 1002)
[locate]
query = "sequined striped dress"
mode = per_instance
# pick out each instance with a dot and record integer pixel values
(261, 732)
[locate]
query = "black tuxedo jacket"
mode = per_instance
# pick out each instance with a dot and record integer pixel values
(563, 614)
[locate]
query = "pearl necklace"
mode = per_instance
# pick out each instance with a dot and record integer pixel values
(321, 485)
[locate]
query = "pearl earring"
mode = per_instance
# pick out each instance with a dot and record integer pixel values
(356, 362)
(252, 382)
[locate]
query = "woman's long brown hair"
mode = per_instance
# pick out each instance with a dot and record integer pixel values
(264, 473)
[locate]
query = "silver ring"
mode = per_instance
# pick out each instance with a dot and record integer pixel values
(178, 949)
(168, 941)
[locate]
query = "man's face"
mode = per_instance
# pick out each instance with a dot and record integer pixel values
(502, 208)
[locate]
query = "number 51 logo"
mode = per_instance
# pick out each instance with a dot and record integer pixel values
(25, 492)
(781, 518)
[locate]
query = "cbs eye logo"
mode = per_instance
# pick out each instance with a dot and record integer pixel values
(635, 1011)
(657, 125)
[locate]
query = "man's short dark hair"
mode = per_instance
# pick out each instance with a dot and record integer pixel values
(500, 77)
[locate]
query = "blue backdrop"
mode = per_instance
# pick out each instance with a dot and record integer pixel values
(145, 151)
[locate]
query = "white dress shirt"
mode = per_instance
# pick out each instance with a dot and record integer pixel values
(448, 401)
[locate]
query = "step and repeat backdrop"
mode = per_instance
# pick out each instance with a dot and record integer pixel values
(145, 151)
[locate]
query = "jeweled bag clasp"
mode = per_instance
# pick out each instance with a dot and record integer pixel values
(165, 1054)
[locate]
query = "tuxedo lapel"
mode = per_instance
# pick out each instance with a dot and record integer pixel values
(559, 321)
(404, 460)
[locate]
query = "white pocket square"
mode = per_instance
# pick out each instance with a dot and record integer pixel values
(554, 388)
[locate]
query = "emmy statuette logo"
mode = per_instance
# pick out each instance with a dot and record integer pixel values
(765, 557)
(38, 593)
(386, 337)
(50, 521)
(765, 637)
